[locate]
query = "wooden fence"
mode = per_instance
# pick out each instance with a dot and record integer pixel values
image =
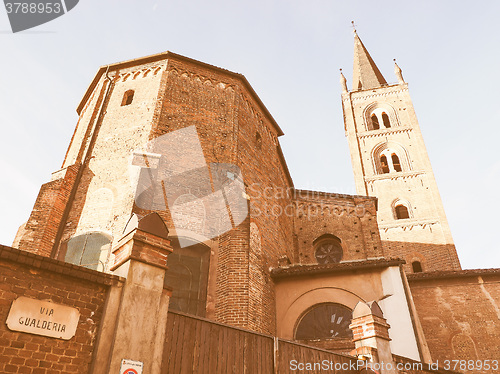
(197, 345)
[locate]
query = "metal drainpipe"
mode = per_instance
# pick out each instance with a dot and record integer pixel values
(78, 177)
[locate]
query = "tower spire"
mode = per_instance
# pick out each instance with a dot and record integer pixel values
(365, 73)
(390, 162)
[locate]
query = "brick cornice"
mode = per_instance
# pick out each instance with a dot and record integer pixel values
(390, 89)
(384, 132)
(309, 195)
(394, 176)
(407, 223)
(165, 56)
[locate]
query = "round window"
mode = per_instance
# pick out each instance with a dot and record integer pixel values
(328, 251)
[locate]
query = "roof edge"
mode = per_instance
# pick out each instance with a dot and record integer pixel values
(334, 194)
(452, 274)
(165, 56)
(301, 270)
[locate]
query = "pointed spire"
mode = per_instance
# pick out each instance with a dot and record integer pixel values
(365, 73)
(398, 72)
(343, 82)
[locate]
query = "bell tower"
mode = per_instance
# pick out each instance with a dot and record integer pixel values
(390, 162)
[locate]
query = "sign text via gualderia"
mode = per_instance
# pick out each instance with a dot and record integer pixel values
(43, 318)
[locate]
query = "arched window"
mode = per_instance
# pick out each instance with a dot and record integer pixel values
(416, 266)
(380, 115)
(128, 97)
(328, 249)
(385, 119)
(395, 162)
(325, 321)
(401, 212)
(390, 157)
(90, 250)
(375, 124)
(384, 164)
(187, 275)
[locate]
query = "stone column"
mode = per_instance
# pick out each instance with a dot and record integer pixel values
(141, 257)
(371, 337)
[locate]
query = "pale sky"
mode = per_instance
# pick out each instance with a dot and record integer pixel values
(290, 51)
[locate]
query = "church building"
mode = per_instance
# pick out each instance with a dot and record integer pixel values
(175, 235)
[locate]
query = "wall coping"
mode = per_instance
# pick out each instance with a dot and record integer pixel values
(415, 277)
(301, 194)
(59, 267)
(341, 267)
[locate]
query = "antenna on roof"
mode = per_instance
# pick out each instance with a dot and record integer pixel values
(353, 26)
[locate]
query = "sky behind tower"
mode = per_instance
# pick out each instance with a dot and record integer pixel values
(291, 52)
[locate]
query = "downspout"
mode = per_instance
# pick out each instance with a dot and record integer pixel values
(71, 198)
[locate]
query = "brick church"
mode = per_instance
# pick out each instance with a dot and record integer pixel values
(174, 233)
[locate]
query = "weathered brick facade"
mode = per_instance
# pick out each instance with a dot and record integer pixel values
(330, 249)
(432, 257)
(234, 127)
(36, 277)
(350, 218)
(460, 315)
(172, 92)
(41, 229)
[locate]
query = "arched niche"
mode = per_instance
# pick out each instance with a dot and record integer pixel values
(305, 301)
(324, 321)
(90, 249)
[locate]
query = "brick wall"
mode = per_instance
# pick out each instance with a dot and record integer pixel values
(39, 233)
(36, 277)
(460, 314)
(105, 194)
(353, 219)
(433, 257)
(233, 127)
